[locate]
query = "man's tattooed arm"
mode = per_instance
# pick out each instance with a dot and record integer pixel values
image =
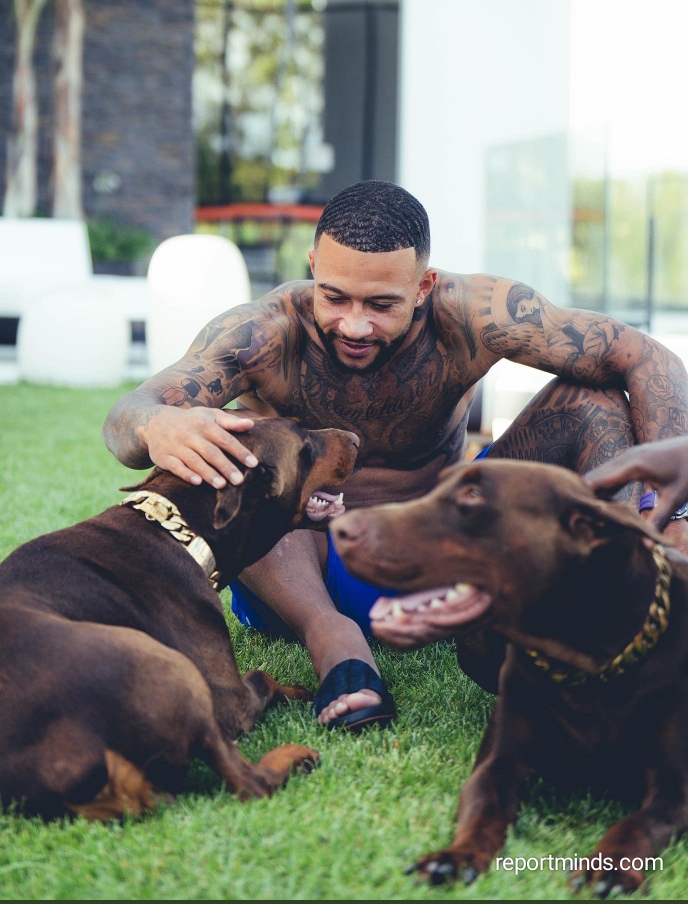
(175, 420)
(593, 350)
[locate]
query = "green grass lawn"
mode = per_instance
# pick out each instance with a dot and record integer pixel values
(347, 831)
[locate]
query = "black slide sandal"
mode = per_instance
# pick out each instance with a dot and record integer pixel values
(346, 678)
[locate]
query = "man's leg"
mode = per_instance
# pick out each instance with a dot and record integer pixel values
(577, 427)
(289, 579)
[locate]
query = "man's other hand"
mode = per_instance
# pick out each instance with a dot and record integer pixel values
(191, 443)
(662, 465)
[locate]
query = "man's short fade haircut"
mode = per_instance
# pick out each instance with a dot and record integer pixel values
(374, 216)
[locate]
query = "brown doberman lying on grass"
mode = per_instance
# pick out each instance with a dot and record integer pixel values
(594, 686)
(116, 667)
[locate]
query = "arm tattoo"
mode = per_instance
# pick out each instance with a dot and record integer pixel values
(594, 350)
(224, 360)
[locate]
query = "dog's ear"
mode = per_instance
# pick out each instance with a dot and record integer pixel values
(273, 480)
(263, 481)
(227, 504)
(596, 521)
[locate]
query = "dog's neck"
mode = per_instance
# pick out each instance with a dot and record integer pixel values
(596, 607)
(231, 546)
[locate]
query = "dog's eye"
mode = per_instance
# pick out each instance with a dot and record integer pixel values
(469, 495)
(307, 455)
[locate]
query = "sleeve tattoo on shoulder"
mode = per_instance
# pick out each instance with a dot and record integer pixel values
(229, 354)
(575, 344)
(453, 310)
(591, 348)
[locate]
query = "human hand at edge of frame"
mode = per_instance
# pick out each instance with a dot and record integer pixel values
(662, 465)
(192, 442)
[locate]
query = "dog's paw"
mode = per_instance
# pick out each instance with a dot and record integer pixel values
(298, 693)
(304, 759)
(448, 866)
(611, 880)
(290, 758)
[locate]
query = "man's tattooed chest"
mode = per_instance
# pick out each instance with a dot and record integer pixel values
(405, 410)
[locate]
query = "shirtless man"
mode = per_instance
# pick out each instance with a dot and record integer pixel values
(383, 345)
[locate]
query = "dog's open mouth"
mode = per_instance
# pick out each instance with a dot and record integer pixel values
(323, 505)
(447, 607)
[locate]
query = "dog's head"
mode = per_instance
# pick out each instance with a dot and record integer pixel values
(295, 485)
(487, 544)
(296, 477)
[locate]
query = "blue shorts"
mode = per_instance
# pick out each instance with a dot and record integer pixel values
(483, 452)
(352, 598)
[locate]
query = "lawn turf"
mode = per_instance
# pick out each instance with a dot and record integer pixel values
(378, 802)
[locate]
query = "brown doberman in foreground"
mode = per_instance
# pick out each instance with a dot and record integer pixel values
(116, 666)
(593, 689)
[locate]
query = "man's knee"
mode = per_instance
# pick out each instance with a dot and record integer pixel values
(583, 401)
(571, 425)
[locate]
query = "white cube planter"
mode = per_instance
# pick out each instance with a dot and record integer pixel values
(71, 336)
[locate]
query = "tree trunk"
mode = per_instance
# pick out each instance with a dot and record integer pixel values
(22, 144)
(68, 50)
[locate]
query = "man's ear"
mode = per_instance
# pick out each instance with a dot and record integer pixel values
(595, 522)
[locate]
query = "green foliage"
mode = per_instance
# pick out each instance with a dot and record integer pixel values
(113, 241)
(258, 98)
(346, 832)
(631, 202)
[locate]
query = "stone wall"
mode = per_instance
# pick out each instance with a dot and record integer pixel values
(138, 153)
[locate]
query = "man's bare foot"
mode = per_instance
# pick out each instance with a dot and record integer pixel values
(349, 703)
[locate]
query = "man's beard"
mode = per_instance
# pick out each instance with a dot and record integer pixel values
(387, 350)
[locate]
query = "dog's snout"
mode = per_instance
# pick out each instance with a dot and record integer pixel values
(347, 530)
(354, 439)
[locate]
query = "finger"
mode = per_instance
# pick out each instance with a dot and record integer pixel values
(198, 463)
(668, 501)
(178, 468)
(225, 441)
(221, 436)
(230, 421)
(613, 475)
(659, 518)
(216, 458)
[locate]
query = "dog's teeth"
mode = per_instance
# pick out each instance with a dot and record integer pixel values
(340, 499)
(436, 604)
(397, 609)
(462, 588)
(451, 596)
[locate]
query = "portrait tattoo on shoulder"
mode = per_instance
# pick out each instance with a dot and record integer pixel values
(591, 352)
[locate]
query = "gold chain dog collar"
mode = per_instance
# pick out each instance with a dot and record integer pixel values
(654, 626)
(156, 508)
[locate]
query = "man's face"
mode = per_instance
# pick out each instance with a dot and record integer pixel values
(364, 302)
(528, 310)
